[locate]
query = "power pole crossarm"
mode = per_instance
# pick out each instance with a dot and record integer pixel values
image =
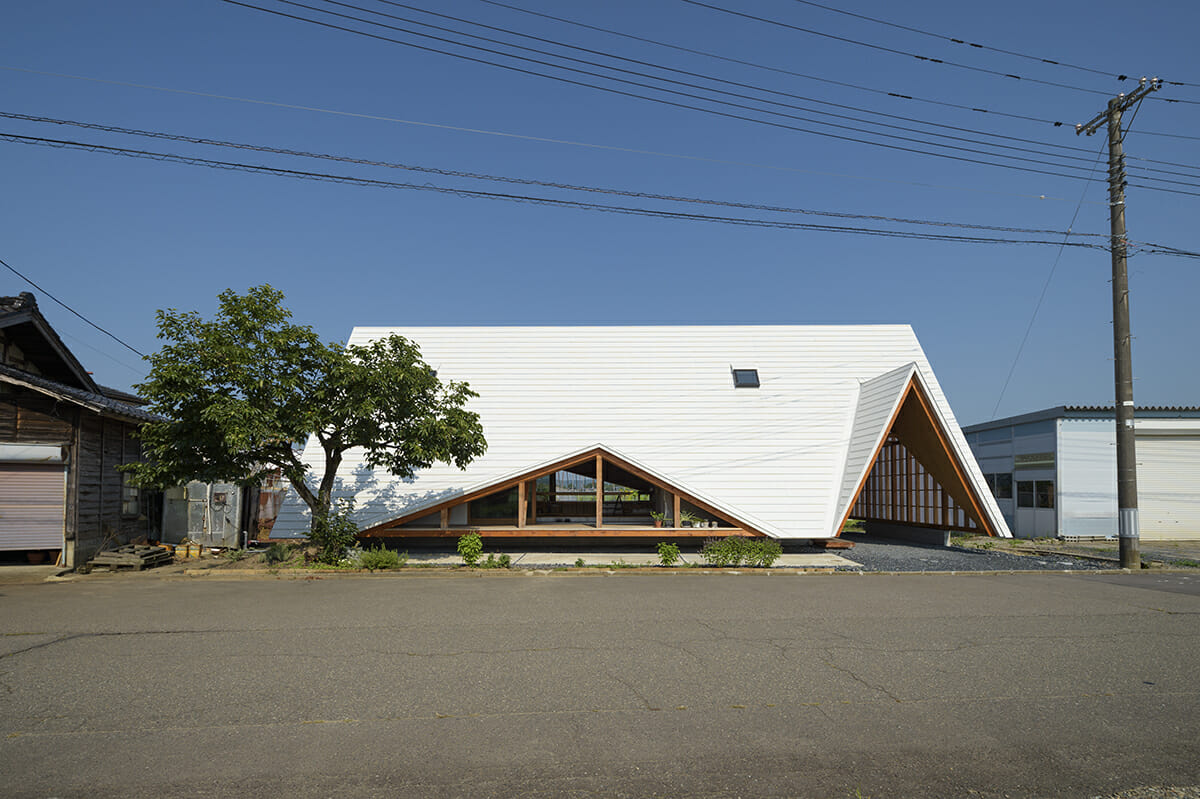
(1127, 500)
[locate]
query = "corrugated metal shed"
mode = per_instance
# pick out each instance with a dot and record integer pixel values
(784, 457)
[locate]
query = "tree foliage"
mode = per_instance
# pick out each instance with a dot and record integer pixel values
(241, 392)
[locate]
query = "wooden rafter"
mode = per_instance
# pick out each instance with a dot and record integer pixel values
(598, 454)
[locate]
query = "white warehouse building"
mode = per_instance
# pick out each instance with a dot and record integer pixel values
(1054, 472)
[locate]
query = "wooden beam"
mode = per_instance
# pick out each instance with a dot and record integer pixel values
(552, 469)
(646, 533)
(521, 503)
(599, 491)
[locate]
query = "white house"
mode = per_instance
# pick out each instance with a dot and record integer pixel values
(1054, 472)
(779, 431)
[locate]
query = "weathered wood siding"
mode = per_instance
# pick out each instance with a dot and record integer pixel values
(103, 444)
(96, 446)
(27, 417)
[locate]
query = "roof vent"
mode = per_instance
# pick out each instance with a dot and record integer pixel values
(745, 378)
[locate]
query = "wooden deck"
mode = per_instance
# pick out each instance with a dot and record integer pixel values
(561, 530)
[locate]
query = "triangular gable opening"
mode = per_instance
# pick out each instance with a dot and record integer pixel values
(591, 494)
(917, 479)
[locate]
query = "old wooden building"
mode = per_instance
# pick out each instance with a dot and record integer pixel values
(62, 437)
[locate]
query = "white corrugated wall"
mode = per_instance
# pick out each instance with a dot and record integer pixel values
(1169, 486)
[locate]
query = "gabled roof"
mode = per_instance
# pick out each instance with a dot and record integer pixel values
(785, 457)
(93, 401)
(24, 325)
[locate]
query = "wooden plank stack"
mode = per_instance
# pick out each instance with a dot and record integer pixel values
(132, 556)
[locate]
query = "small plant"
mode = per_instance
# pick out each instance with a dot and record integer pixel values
(668, 553)
(1186, 563)
(660, 519)
(690, 519)
(470, 547)
(277, 553)
(381, 558)
(505, 561)
(234, 555)
(579, 563)
(333, 533)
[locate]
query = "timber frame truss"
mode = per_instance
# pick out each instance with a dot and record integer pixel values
(530, 521)
(916, 479)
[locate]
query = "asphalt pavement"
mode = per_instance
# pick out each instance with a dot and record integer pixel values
(589, 684)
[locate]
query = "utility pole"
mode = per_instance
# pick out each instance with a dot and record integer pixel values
(1127, 500)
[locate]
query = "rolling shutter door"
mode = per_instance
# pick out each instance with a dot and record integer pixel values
(32, 505)
(1169, 487)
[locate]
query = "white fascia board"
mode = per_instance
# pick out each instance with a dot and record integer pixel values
(878, 401)
(945, 418)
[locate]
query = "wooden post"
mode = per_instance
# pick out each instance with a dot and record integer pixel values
(677, 522)
(533, 501)
(521, 504)
(445, 518)
(599, 492)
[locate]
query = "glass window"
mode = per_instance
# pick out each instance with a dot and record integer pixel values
(1003, 487)
(131, 496)
(1045, 493)
(1025, 493)
(745, 378)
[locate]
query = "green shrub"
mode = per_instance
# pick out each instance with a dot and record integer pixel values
(381, 558)
(493, 562)
(735, 550)
(668, 554)
(470, 547)
(505, 561)
(333, 533)
(763, 552)
(579, 563)
(277, 553)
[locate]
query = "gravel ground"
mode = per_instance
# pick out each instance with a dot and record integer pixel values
(884, 555)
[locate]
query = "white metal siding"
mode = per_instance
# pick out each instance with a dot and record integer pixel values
(662, 397)
(1169, 487)
(1087, 482)
(32, 506)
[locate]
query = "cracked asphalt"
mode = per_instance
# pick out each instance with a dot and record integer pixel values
(589, 685)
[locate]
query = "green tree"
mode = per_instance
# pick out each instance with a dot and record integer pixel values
(242, 392)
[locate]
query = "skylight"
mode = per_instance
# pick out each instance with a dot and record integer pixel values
(745, 378)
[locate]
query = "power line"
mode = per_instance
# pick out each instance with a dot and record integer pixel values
(779, 70)
(955, 40)
(518, 136)
(727, 59)
(524, 181)
(1042, 297)
(826, 80)
(675, 104)
(532, 200)
(886, 145)
(891, 50)
(72, 310)
(1040, 145)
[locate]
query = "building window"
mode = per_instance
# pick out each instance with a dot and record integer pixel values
(131, 496)
(1045, 493)
(745, 378)
(1035, 493)
(1001, 484)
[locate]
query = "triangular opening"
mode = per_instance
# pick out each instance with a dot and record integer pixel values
(917, 479)
(591, 493)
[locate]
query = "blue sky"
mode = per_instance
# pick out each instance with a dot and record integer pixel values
(117, 238)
